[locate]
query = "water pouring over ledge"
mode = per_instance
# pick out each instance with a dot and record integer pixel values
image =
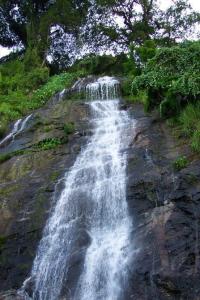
(18, 127)
(103, 89)
(93, 203)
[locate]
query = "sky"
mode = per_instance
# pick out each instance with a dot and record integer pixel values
(166, 3)
(163, 4)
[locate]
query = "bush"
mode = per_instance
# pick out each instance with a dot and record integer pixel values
(169, 106)
(172, 76)
(126, 86)
(104, 65)
(180, 163)
(35, 78)
(55, 84)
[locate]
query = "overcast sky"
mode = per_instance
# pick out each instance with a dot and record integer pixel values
(195, 4)
(163, 3)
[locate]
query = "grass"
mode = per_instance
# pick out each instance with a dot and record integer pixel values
(186, 125)
(180, 163)
(189, 121)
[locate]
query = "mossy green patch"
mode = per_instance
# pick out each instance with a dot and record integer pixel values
(48, 144)
(180, 163)
(7, 190)
(69, 128)
(54, 176)
(7, 156)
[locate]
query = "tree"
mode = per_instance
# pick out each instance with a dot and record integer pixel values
(30, 23)
(126, 22)
(177, 23)
(131, 23)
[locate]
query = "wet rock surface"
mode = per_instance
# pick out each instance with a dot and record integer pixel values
(165, 206)
(29, 184)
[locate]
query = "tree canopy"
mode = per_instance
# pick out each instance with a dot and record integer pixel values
(31, 24)
(57, 27)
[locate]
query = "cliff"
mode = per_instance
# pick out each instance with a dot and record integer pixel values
(163, 203)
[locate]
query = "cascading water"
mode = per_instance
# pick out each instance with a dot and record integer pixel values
(18, 127)
(104, 88)
(94, 199)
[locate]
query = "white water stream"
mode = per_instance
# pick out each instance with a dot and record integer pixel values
(18, 127)
(94, 194)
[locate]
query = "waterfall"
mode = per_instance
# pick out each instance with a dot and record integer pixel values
(92, 209)
(18, 127)
(101, 90)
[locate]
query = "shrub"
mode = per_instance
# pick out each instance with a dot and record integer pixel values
(55, 84)
(169, 106)
(180, 163)
(35, 78)
(172, 76)
(126, 86)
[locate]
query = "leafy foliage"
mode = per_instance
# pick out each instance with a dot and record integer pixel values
(143, 20)
(55, 84)
(32, 24)
(172, 77)
(102, 64)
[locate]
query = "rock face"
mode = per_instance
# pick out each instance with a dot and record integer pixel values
(164, 204)
(28, 182)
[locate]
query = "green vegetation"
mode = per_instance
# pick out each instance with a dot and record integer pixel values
(180, 163)
(69, 128)
(171, 80)
(48, 144)
(55, 84)
(103, 64)
(22, 91)
(54, 176)
(7, 156)
(189, 124)
(155, 69)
